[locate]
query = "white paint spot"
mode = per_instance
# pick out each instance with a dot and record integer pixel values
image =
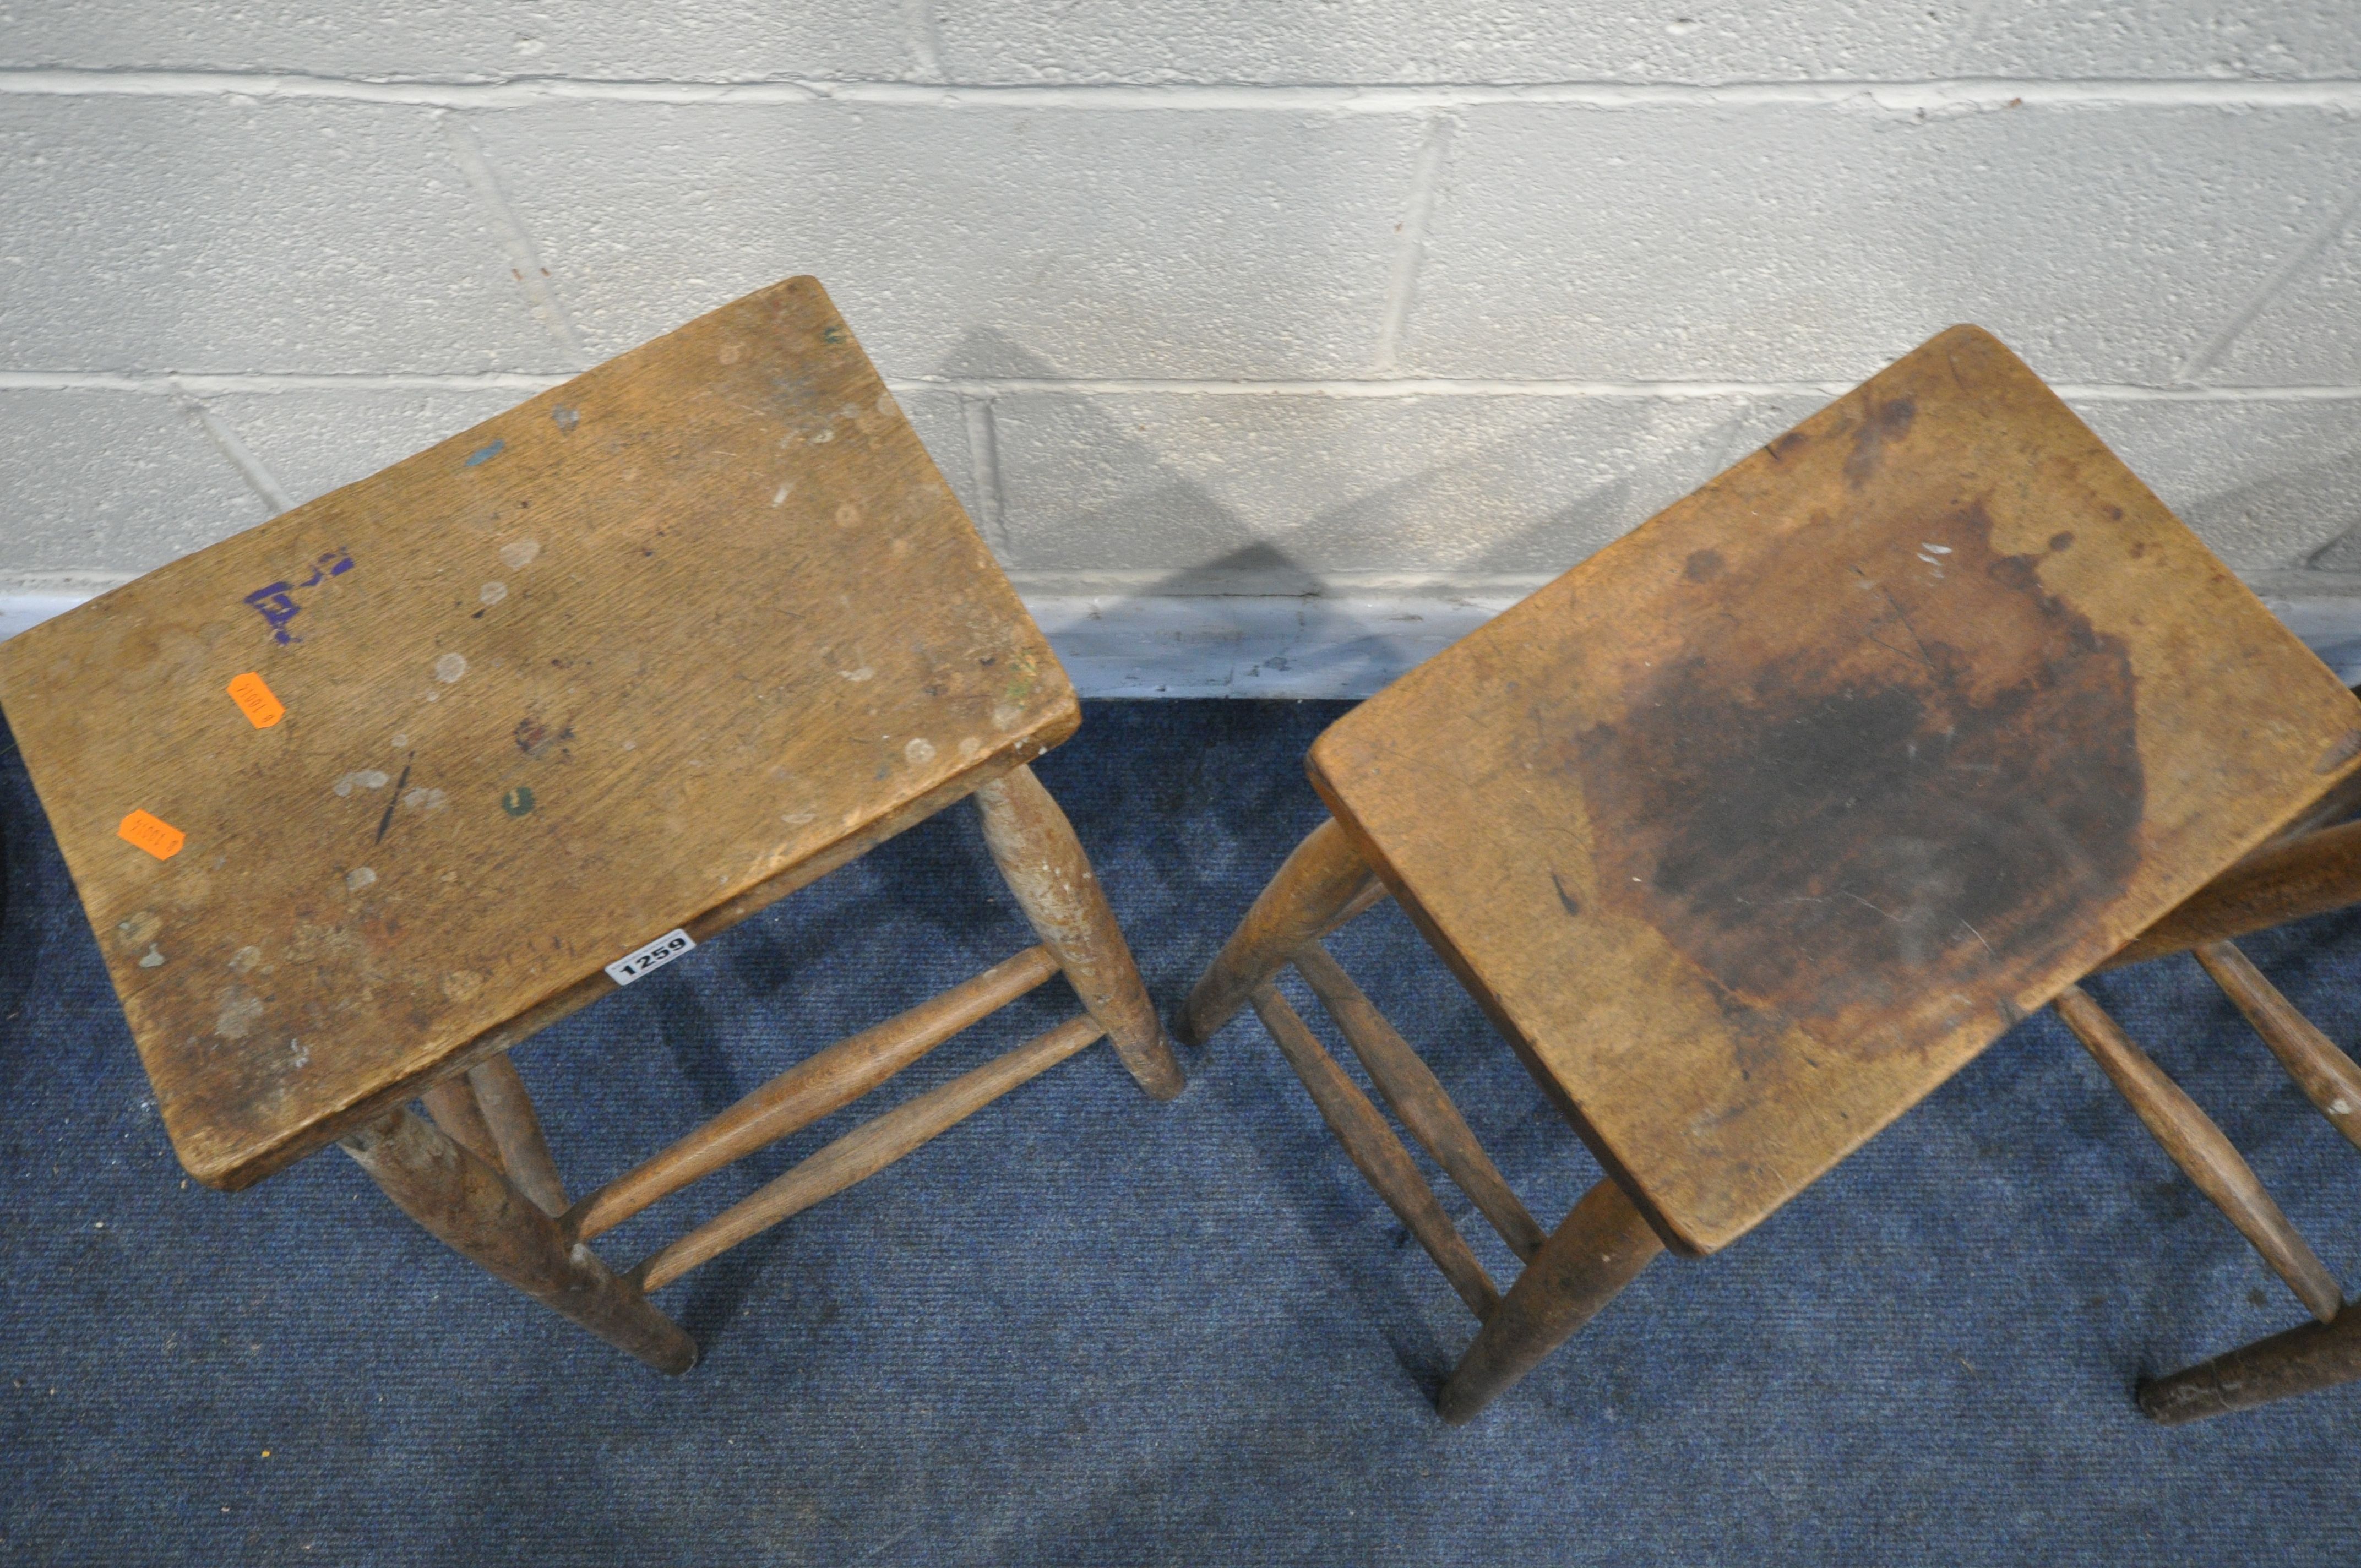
(521, 553)
(779, 496)
(822, 437)
(1935, 549)
(366, 778)
(797, 818)
(920, 751)
(243, 961)
(2340, 1106)
(492, 593)
(240, 1011)
(153, 960)
(450, 667)
(400, 741)
(426, 799)
(858, 676)
(295, 1048)
(360, 877)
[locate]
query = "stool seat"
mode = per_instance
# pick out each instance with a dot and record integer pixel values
(419, 760)
(1753, 828)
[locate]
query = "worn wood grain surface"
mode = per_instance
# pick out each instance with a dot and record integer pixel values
(639, 652)
(1758, 824)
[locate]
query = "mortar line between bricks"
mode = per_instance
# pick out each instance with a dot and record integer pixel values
(251, 468)
(509, 232)
(1901, 97)
(2303, 256)
(167, 383)
(1409, 246)
(923, 35)
(983, 461)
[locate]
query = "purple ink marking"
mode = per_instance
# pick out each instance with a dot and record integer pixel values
(485, 454)
(277, 609)
(277, 603)
(320, 570)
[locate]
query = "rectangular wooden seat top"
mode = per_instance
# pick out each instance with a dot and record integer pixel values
(645, 653)
(1758, 824)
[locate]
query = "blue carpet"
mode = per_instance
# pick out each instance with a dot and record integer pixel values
(1085, 1328)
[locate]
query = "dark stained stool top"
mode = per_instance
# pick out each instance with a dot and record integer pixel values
(1757, 825)
(642, 654)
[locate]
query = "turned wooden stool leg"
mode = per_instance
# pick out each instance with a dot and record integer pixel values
(1321, 881)
(508, 1114)
(475, 1211)
(487, 1112)
(2309, 1356)
(457, 1110)
(1599, 1248)
(1044, 867)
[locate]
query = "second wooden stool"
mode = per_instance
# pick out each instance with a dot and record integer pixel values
(1757, 825)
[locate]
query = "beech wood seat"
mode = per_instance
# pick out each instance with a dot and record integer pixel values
(1757, 825)
(363, 797)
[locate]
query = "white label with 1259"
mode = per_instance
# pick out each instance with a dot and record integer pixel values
(654, 956)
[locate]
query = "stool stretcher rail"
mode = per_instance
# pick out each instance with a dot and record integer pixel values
(2327, 1075)
(2203, 1152)
(822, 1084)
(1374, 1149)
(1418, 1099)
(866, 1150)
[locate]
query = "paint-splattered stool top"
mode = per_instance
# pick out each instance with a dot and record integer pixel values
(392, 779)
(1758, 824)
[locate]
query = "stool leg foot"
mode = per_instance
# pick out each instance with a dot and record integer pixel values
(1319, 881)
(1044, 866)
(1599, 1248)
(476, 1211)
(2302, 1359)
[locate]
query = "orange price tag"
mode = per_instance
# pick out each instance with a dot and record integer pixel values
(255, 700)
(151, 833)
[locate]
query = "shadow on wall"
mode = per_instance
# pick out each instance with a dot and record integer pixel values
(2329, 490)
(2296, 503)
(1299, 493)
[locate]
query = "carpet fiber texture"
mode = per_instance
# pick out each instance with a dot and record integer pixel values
(1086, 1328)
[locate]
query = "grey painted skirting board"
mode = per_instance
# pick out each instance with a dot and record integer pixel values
(1343, 643)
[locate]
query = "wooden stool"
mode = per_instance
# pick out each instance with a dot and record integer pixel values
(360, 799)
(1761, 823)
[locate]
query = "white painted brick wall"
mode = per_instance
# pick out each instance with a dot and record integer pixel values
(981, 241)
(1188, 297)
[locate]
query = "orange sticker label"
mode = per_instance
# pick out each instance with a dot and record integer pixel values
(255, 700)
(153, 834)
